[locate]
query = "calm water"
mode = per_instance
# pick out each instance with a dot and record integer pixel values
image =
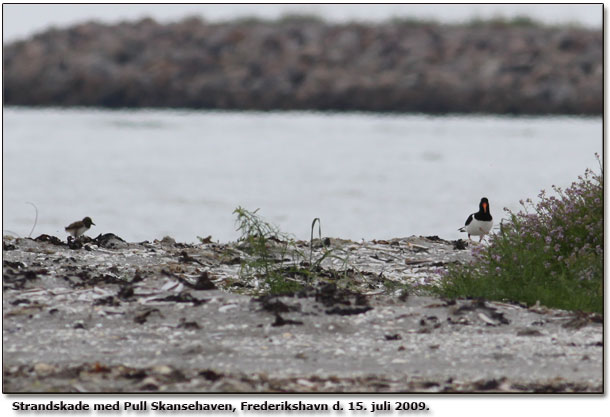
(146, 174)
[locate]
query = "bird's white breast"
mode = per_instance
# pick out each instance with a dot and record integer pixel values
(478, 227)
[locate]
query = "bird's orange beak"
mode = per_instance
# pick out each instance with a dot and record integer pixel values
(485, 207)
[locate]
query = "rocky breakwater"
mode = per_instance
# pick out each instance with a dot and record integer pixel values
(107, 315)
(304, 63)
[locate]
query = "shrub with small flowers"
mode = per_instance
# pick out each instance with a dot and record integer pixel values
(550, 252)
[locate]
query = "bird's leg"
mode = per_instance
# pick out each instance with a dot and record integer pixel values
(469, 237)
(481, 239)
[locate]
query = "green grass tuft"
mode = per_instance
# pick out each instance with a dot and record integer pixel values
(275, 258)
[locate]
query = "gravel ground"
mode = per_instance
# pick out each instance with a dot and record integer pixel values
(111, 316)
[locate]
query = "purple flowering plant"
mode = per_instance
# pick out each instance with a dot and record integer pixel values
(550, 251)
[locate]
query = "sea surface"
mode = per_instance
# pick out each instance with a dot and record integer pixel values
(146, 174)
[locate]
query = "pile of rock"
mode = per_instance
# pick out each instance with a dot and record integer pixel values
(305, 63)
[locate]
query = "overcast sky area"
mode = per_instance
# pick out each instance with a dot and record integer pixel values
(22, 20)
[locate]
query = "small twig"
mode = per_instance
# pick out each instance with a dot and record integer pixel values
(35, 220)
(313, 225)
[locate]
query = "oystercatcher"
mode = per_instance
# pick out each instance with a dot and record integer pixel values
(479, 223)
(78, 228)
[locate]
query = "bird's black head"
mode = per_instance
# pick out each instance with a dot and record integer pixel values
(87, 221)
(484, 205)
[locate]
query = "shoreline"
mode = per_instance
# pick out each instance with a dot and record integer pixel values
(167, 316)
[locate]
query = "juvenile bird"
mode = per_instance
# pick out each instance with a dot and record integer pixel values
(78, 228)
(479, 223)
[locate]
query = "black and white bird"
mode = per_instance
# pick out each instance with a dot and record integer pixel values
(78, 228)
(479, 223)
